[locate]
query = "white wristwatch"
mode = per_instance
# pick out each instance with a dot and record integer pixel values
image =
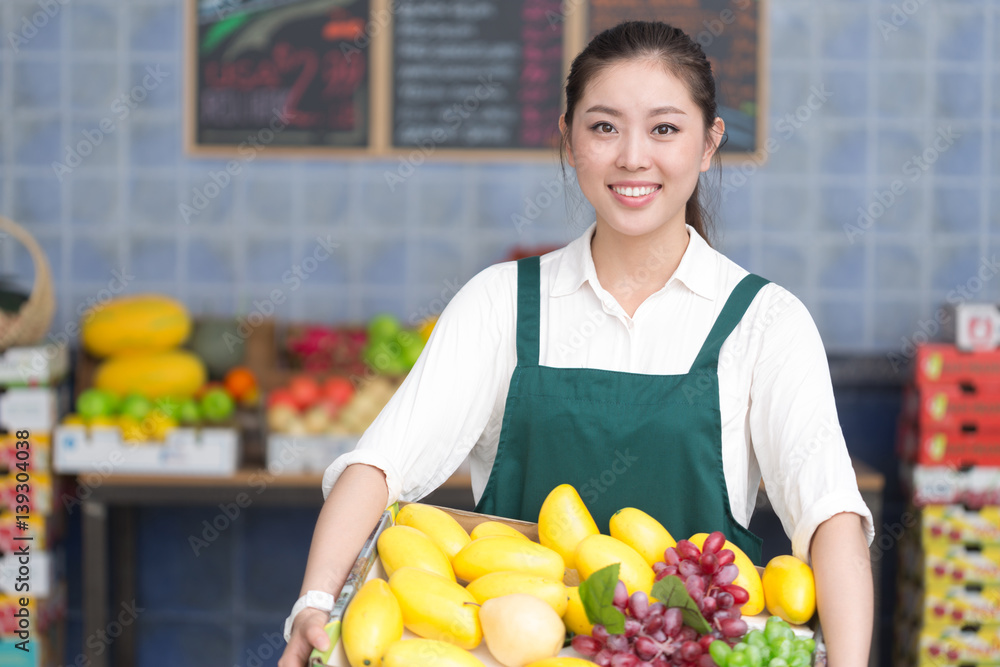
(315, 599)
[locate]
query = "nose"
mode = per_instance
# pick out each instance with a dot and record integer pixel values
(633, 153)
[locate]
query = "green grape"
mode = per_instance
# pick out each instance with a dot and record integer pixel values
(756, 637)
(766, 653)
(755, 655)
(772, 631)
(785, 649)
(719, 650)
(799, 659)
(809, 644)
(737, 659)
(742, 646)
(778, 662)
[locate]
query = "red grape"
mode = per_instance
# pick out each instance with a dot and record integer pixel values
(671, 557)
(661, 662)
(645, 648)
(653, 623)
(657, 608)
(688, 634)
(706, 661)
(709, 563)
(621, 595)
(726, 575)
(713, 543)
(688, 568)
(733, 627)
(726, 556)
(600, 633)
(617, 643)
(672, 621)
(632, 627)
(638, 604)
(740, 594)
(690, 651)
(586, 645)
(725, 600)
(688, 550)
(708, 607)
(603, 658)
(705, 641)
(624, 660)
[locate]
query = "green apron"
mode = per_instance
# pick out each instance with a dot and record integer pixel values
(621, 439)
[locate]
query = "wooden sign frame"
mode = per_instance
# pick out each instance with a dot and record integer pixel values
(380, 89)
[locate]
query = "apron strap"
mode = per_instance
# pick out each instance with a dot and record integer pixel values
(736, 306)
(528, 310)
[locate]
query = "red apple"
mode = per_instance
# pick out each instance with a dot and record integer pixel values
(338, 390)
(282, 396)
(305, 391)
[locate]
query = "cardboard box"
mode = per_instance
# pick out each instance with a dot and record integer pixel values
(297, 454)
(961, 605)
(948, 565)
(186, 451)
(33, 366)
(976, 645)
(37, 456)
(973, 326)
(956, 524)
(37, 499)
(978, 486)
(29, 408)
(935, 447)
(954, 407)
(939, 363)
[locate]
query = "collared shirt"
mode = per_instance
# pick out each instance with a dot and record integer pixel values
(779, 419)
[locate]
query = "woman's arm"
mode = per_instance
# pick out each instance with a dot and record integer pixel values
(844, 589)
(350, 512)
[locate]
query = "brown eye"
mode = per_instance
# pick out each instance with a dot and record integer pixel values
(664, 129)
(603, 128)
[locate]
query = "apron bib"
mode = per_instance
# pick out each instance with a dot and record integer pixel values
(653, 442)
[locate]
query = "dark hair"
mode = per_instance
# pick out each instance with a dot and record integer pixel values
(677, 52)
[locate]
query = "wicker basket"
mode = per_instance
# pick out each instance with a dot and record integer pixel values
(30, 324)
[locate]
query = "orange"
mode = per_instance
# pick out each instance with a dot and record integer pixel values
(240, 383)
(789, 589)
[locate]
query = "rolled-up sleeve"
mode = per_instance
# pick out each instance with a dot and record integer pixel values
(441, 409)
(795, 430)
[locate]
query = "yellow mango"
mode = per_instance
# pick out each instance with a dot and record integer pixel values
(575, 617)
(498, 584)
(501, 553)
(428, 653)
(789, 589)
(598, 551)
(436, 524)
(561, 662)
(641, 532)
(372, 622)
(436, 608)
(749, 578)
(563, 521)
(403, 546)
(487, 528)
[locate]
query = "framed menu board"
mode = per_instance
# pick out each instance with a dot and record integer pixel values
(474, 79)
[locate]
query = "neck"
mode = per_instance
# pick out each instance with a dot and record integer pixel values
(631, 268)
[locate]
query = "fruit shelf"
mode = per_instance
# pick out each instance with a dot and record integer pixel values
(469, 520)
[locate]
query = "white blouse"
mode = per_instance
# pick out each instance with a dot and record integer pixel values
(779, 419)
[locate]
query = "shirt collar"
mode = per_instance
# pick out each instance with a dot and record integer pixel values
(697, 270)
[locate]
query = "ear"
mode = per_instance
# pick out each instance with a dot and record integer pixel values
(564, 131)
(712, 140)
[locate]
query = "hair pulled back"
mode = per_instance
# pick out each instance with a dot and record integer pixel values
(679, 54)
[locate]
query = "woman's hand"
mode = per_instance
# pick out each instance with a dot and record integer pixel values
(307, 634)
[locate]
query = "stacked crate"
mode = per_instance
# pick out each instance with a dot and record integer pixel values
(949, 592)
(32, 588)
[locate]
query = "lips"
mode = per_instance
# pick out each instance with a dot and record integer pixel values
(635, 194)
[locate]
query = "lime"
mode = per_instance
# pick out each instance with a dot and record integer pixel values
(136, 406)
(96, 403)
(383, 327)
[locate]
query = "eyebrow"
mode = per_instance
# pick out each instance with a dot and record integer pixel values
(659, 111)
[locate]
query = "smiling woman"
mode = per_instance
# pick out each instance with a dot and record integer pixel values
(703, 378)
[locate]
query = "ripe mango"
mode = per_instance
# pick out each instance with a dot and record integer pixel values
(428, 653)
(441, 527)
(436, 608)
(372, 622)
(403, 546)
(641, 532)
(501, 553)
(789, 589)
(575, 617)
(564, 521)
(498, 584)
(599, 551)
(487, 528)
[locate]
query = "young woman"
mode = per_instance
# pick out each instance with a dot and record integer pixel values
(636, 363)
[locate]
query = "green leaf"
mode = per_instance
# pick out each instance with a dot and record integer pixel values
(597, 593)
(671, 592)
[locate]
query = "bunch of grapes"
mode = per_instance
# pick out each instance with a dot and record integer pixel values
(775, 646)
(708, 575)
(655, 635)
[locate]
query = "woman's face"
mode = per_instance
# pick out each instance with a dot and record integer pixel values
(638, 144)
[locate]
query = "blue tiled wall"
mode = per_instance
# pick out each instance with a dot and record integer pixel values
(893, 89)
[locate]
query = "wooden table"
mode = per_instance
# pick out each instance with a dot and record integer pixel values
(123, 493)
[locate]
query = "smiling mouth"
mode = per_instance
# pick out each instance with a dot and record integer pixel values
(635, 191)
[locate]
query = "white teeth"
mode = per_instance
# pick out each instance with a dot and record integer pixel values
(635, 192)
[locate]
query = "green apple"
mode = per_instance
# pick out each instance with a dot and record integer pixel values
(96, 403)
(384, 327)
(217, 405)
(412, 345)
(170, 406)
(136, 406)
(188, 411)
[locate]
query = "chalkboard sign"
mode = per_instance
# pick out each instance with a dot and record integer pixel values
(476, 74)
(728, 32)
(477, 79)
(281, 73)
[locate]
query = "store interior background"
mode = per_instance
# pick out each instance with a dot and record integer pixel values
(890, 91)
